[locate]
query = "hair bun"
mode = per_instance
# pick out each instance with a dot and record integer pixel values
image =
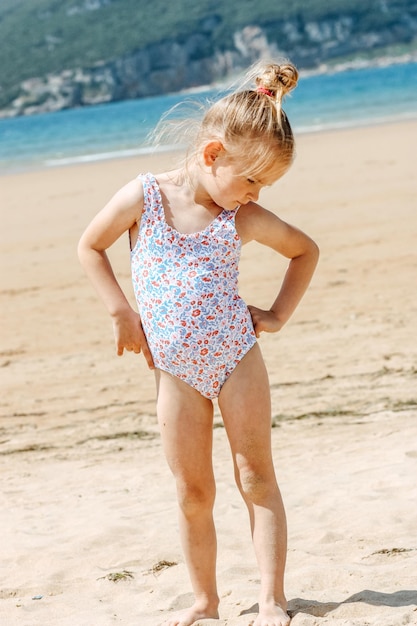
(278, 79)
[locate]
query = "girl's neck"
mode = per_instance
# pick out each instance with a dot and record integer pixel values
(190, 179)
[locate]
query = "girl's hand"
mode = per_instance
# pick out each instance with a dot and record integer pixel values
(264, 321)
(129, 335)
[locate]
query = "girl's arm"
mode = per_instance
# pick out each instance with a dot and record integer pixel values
(263, 226)
(118, 216)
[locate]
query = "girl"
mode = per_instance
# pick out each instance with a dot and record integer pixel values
(186, 230)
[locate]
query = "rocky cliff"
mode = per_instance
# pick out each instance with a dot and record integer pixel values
(174, 65)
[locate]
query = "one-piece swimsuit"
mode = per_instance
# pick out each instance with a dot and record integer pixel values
(197, 326)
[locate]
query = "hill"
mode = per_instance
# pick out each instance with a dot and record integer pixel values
(63, 53)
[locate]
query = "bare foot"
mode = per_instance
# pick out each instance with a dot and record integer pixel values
(272, 615)
(191, 615)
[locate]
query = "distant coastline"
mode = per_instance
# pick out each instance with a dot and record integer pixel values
(348, 96)
(361, 62)
(356, 63)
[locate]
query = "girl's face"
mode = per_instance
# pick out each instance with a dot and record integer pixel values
(230, 188)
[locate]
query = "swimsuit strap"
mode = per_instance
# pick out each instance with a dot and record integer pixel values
(152, 201)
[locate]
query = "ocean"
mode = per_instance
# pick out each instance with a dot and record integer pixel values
(343, 99)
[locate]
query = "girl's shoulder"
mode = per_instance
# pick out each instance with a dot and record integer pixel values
(252, 220)
(131, 193)
(127, 203)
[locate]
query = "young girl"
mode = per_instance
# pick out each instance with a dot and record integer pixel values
(186, 230)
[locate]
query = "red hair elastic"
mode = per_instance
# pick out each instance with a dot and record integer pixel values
(265, 91)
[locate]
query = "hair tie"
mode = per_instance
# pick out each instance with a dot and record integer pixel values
(265, 91)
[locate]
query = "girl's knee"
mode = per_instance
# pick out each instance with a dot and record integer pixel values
(195, 499)
(256, 485)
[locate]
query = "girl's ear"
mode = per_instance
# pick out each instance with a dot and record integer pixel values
(212, 151)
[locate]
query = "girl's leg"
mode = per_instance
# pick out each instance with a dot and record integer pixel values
(245, 405)
(186, 422)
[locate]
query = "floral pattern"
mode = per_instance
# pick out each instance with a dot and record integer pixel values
(186, 286)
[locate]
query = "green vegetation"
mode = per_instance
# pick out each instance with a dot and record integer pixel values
(116, 577)
(38, 37)
(160, 566)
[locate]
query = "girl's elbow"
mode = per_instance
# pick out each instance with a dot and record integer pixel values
(315, 250)
(83, 250)
(80, 250)
(311, 254)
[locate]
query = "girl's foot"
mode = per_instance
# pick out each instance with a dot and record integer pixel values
(191, 615)
(272, 615)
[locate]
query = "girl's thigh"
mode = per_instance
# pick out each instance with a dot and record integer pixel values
(186, 423)
(245, 404)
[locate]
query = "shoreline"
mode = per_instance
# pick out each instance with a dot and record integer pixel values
(156, 152)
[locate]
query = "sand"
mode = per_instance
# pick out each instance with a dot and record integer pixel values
(88, 518)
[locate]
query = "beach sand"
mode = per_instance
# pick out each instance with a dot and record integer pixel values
(88, 517)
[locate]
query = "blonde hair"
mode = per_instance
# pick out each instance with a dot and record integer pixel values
(251, 123)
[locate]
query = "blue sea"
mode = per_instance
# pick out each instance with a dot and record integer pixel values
(349, 98)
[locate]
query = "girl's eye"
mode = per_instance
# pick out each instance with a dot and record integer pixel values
(251, 181)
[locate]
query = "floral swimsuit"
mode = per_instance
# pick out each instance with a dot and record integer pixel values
(186, 286)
